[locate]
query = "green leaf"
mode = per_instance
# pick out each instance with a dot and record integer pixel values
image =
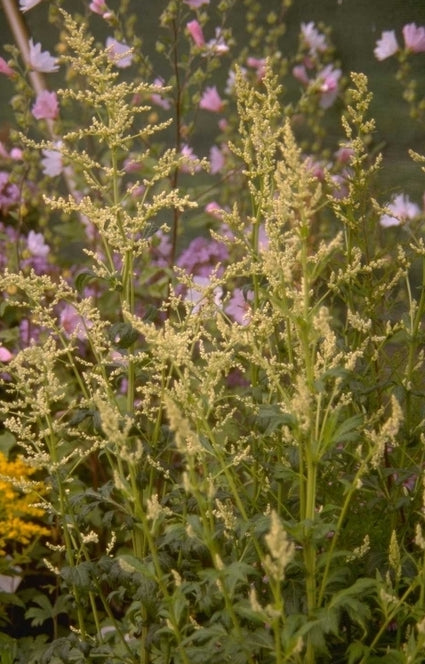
(356, 651)
(7, 441)
(83, 279)
(79, 576)
(45, 609)
(123, 335)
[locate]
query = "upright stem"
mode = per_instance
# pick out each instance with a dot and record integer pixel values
(175, 176)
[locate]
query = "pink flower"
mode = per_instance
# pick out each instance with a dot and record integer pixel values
(215, 210)
(217, 45)
(211, 100)
(401, 210)
(40, 60)
(300, 73)
(25, 5)
(52, 162)
(46, 106)
(239, 308)
(36, 244)
(5, 69)
(119, 53)
(157, 98)
(196, 295)
(386, 46)
(344, 154)
(5, 355)
(131, 164)
(72, 323)
(196, 33)
(191, 161)
(195, 4)
(315, 41)
(202, 257)
(328, 79)
(161, 249)
(98, 7)
(259, 64)
(216, 160)
(9, 192)
(414, 38)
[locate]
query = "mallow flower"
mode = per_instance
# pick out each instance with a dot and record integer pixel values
(46, 106)
(5, 69)
(211, 100)
(119, 53)
(386, 46)
(25, 5)
(315, 41)
(400, 210)
(52, 162)
(40, 60)
(195, 30)
(414, 38)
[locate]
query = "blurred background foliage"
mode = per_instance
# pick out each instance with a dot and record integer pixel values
(355, 26)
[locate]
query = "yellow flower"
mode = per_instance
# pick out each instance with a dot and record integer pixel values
(19, 496)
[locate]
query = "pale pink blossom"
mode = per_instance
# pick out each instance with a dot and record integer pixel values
(216, 160)
(217, 45)
(344, 155)
(195, 31)
(36, 244)
(197, 295)
(40, 60)
(52, 162)
(5, 355)
(195, 4)
(5, 69)
(161, 249)
(263, 238)
(315, 41)
(300, 73)
(386, 46)
(157, 98)
(16, 154)
(215, 210)
(259, 64)
(316, 168)
(400, 210)
(211, 100)
(119, 53)
(46, 106)
(239, 307)
(72, 323)
(132, 164)
(98, 7)
(191, 161)
(414, 38)
(25, 5)
(328, 85)
(9, 192)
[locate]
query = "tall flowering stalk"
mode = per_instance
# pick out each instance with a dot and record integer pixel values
(230, 438)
